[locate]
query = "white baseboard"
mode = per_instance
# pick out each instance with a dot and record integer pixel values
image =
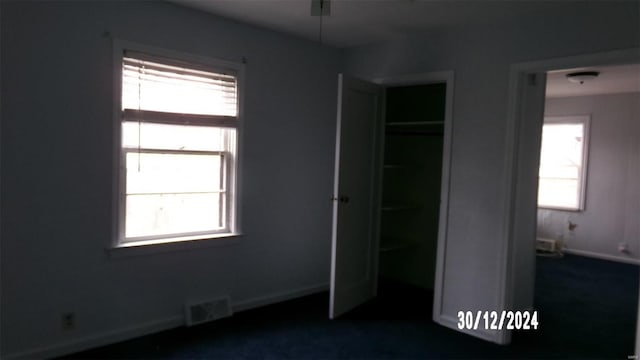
(601, 256)
(111, 337)
(279, 297)
(93, 341)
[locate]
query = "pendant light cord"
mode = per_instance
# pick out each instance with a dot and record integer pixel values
(321, 16)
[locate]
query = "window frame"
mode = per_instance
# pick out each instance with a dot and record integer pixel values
(585, 120)
(232, 161)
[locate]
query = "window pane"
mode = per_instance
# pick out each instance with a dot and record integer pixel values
(152, 215)
(562, 145)
(561, 161)
(176, 137)
(173, 193)
(561, 172)
(558, 193)
(152, 173)
(177, 175)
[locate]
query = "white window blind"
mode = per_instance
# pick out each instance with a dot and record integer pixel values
(154, 86)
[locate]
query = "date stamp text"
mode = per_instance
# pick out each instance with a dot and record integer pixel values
(494, 320)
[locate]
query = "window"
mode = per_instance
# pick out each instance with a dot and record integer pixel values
(563, 162)
(178, 161)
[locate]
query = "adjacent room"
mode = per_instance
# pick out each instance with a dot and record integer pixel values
(320, 178)
(587, 205)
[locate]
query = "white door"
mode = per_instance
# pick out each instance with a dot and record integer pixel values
(354, 249)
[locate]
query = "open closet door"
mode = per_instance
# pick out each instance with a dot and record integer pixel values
(354, 253)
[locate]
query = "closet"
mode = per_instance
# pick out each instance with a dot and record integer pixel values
(387, 187)
(412, 172)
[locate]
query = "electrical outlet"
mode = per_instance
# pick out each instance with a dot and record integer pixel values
(68, 321)
(623, 248)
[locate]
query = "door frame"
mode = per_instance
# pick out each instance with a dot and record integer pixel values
(516, 158)
(447, 77)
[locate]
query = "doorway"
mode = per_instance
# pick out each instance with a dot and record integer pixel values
(586, 216)
(406, 146)
(526, 121)
(412, 172)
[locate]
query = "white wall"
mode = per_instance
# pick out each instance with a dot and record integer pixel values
(57, 173)
(612, 207)
(481, 58)
(56, 158)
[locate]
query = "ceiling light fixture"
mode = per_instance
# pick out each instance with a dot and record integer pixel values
(582, 76)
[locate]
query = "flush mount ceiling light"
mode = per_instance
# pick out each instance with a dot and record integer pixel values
(582, 76)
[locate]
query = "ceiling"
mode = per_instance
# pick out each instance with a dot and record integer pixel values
(612, 80)
(359, 22)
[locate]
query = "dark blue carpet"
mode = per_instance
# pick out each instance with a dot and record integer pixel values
(587, 310)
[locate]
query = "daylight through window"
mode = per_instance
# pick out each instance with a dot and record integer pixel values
(179, 150)
(563, 162)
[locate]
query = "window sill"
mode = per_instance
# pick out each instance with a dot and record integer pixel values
(558, 208)
(150, 247)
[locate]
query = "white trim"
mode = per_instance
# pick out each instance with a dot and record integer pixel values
(233, 222)
(334, 199)
(100, 339)
(517, 78)
(160, 247)
(235, 184)
(505, 291)
(602, 256)
(279, 297)
(379, 132)
(117, 215)
(414, 79)
(114, 336)
(449, 78)
(445, 190)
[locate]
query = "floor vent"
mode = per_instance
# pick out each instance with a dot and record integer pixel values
(547, 245)
(209, 310)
